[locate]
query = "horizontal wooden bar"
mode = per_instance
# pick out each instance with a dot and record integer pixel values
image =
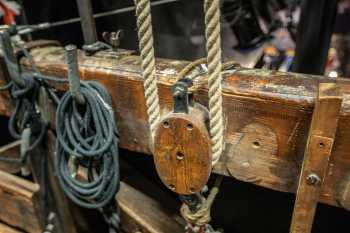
(267, 115)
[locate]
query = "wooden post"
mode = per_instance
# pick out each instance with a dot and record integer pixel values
(316, 157)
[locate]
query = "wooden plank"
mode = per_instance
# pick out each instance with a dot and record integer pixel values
(142, 213)
(7, 229)
(316, 159)
(10, 151)
(18, 198)
(279, 103)
(69, 218)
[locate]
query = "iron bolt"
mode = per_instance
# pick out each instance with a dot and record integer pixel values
(313, 179)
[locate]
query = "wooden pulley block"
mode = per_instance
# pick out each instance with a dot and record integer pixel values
(182, 147)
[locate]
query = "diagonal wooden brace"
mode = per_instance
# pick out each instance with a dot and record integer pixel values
(316, 158)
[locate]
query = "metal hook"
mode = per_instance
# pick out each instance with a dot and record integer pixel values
(73, 73)
(10, 58)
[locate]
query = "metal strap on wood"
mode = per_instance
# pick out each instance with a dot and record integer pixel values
(316, 157)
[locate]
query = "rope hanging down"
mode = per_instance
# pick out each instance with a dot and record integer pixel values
(213, 44)
(86, 140)
(145, 34)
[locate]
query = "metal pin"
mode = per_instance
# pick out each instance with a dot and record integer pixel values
(73, 73)
(10, 58)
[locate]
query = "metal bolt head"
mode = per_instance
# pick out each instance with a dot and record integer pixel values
(313, 179)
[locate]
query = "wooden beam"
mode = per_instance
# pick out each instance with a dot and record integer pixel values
(317, 154)
(141, 213)
(256, 102)
(19, 203)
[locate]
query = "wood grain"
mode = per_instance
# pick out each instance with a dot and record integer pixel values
(19, 203)
(316, 158)
(182, 152)
(282, 102)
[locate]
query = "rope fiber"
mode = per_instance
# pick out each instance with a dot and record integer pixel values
(145, 34)
(213, 45)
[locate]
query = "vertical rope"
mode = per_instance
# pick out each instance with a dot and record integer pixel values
(144, 24)
(213, 38)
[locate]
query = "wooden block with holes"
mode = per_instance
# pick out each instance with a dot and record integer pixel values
(316, 157)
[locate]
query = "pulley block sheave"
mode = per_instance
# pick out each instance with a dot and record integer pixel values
(182, 147)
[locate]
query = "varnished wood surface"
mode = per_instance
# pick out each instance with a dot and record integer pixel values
(280, 104)
(19, 203)
(316, 159)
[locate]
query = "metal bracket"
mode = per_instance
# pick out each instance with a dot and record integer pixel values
(316, 157)
(181, 96)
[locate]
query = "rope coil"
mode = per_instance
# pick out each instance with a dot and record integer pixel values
(145, 34)
(86, 138)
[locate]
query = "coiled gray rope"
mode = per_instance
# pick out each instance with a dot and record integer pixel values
(86, 137)
(213, 38)
(145, 34)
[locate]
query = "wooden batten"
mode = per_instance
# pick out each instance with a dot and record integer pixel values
(267, 112)
(318, 150)
(19, 203)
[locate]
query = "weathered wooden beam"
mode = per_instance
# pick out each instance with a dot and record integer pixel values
(319, 147)
(267, 114)
(19, 203)
(141, 213)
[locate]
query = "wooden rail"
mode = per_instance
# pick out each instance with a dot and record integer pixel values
(267, 116)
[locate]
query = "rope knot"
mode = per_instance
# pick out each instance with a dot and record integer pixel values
(199, 218)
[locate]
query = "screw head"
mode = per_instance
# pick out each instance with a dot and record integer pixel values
(313, 179)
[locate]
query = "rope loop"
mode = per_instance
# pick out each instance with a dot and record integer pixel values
(25, 114)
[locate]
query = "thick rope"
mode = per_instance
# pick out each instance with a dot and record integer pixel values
(201, 217)
(212, 31)
(144, 24)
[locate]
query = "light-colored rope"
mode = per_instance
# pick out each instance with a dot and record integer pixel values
(145, 34)
(213, 44)
(201, 217)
